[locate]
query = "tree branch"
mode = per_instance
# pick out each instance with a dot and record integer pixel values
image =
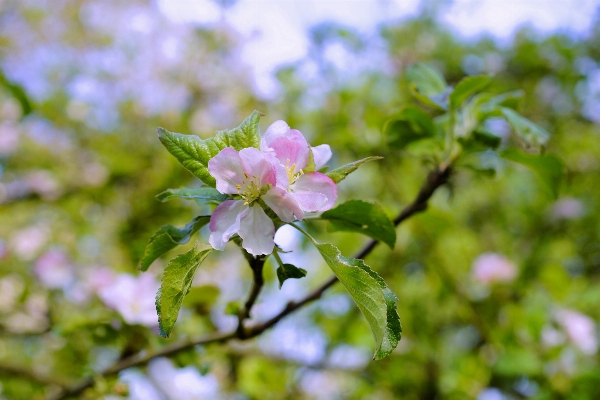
(435, 179)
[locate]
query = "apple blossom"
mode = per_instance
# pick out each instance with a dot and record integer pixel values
(313, 191)
(492, 267)
(252, 175)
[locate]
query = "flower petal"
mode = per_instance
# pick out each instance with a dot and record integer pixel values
(291, 149)
(257, 231)
(227, 169)
(314, 192)
(275, 130)
(225, 222)
(284, 205)
(256, 164)
(321, 154)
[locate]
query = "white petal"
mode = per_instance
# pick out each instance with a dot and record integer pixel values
(225, 222)
(226, 167)
(314, 192)
(321, 154)
(284, 205)
(257, 231)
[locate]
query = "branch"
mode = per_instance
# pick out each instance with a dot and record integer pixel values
(435, 179)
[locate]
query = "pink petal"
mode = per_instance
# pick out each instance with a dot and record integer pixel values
(275, 130)
(314, 192)
(256, 164)
(281, 174)
(291, 149)
(226, 167)
(321, 154)
(280, 201)
(225, 222)
(257, 231)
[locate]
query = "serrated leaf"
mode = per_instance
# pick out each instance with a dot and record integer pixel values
(428, 80)
(548, 168)
(409, 125)
(194, 153)
(205, 194)
(168, 237)
(287, 271)
(176, 283)
(374, 299)
(339, 174)
(527, 130)
(362, 217)
(467, 87)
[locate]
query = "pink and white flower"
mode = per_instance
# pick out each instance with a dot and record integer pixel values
(252, 175)
(492, 267)
(133, 298)
(313, 191)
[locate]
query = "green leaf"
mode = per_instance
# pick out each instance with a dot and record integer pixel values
(409, 125)
(168, 237)
(233, 308)
(176, 283)
(428, 80)
(362, 217)
(468, 87)
(548, 168)
(206, 194)
(527, 130)
(287, 271)
(339, 174)
(374, 299)
(481, 140)
(194, 153)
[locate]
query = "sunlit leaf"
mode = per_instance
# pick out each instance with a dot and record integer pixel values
(176, 283)
(409, 125)
(527, 130)
(206, 194)
(362, 217)
(339, 174)
(428, 80)
(468, 87)
(374, 299)
(194, 153)
(168, 237)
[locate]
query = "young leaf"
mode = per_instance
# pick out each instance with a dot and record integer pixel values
(207, 194)
(168, 237)
(468, 87)
(176, 283)
(362, 217)
(374, 299)
(548, 168)
(428, 80)
(194, 153)
(527, 130)
(409, 125)
(339, 174)
(287, 271)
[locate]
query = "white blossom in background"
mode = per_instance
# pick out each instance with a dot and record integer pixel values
(27, 242)
(567, 208)
(182, 383)
(580, 330)
(54, 269)
(493, 267)
(133, 298)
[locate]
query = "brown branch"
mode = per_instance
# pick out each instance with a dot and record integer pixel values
(435, 179)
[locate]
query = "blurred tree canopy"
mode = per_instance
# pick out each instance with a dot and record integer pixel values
(498, 281)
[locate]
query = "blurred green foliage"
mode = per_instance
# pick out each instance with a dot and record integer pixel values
(80, 175)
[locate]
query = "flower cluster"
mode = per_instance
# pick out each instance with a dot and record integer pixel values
(281, 176)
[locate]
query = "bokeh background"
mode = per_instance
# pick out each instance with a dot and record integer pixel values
(498, 282)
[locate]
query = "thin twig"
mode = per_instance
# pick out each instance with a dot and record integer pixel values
(257, 283)
(436, 178)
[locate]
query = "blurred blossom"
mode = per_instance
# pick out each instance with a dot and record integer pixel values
(492, 267)
(99, 278)
(54, 269)
(491, 394)
(552, 337)
(27, 242)
(140, 387)
(11, 287)
(3, 249)
(94, 174)
(37, 306)
(324, 385)
(44, 184)
(133, 298)
(568, 208)
(9, 138)
(349, 357)
(580, 330)
(182, 383)
(295, 340)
